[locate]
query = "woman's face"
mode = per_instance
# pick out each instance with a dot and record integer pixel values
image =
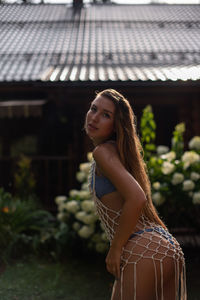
(100, 120)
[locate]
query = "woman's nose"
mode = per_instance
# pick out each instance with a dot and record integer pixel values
(95, 117)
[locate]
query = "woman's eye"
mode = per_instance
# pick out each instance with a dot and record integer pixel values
(106, 115)
(93, 108)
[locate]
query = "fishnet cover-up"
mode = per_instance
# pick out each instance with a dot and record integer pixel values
(151, 251)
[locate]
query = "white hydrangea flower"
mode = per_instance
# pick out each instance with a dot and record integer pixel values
(60, 199)
(61, 207)
(101, 247)
(85, 167)
(81, 176)
(90, 156)
(86, 231)
(167, 168)
(196, 198)
(88, 205)
(90, 219)
(84, 194)
(158, 198)
(104, 237)
(156, 185)
(76, 226)
(169, 156)
(151, 171)
(102, 226)
(180, 127)
(177, 178)
(194, 143)
(80, 215)
(189, 157)
(161, 149)
(194, 176)
(62, 216)
(188, 185)
(73, 193)
(85, 186)
(96, 238)
(72, 206)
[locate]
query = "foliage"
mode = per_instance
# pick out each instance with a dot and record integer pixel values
(148, 134)
(24, 180)
(177, 140)
(24, 227)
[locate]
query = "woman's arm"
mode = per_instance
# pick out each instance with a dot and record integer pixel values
(108, 161)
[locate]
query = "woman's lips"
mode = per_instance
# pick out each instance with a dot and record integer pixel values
(90, 126)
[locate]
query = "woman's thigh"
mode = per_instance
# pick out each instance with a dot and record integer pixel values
(146, 280)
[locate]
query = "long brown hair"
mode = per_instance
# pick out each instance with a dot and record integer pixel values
(130, 148)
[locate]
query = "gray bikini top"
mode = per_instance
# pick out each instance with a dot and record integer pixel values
(103, 185)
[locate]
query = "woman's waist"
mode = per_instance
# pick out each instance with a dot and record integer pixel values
(140, 232)
(142, 227)
(157, 229)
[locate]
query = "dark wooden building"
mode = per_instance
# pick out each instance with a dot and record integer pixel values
(52, 60)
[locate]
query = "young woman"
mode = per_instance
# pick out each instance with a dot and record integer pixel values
(144, 257)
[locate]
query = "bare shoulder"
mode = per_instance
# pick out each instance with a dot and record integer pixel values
(107, 158)
(105, 152)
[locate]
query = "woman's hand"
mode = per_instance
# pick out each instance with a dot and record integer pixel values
(113, 261)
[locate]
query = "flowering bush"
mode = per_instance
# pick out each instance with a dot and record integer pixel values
(79, 213)
(175, 178)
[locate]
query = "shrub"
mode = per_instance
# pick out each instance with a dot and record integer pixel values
(24, 180)
(175, 178)
(25, 228)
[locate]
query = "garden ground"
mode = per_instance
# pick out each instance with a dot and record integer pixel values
(77, 278)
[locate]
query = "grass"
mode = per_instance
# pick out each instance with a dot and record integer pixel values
(38, 279)
(78, 278)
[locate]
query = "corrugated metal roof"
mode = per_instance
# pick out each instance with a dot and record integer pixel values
(60, 12)
(148, 13)
(121, 73)
(100, 43)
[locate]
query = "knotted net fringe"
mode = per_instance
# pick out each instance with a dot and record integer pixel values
(151, 253)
